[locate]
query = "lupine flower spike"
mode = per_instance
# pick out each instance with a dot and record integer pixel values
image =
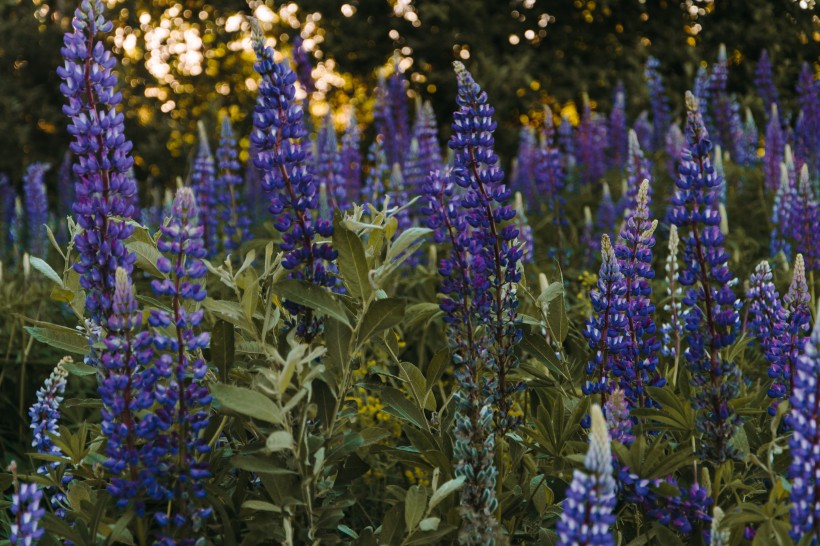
(588, 516)
(25, 511)
(235, 220)
(672, 330)
(36, 202)
(711, 312)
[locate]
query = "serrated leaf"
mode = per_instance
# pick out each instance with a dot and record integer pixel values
(59, 337)
(41, 266)
(415, 503)
(351, 260)
(246, 402)
(381, 315)
(312, 296)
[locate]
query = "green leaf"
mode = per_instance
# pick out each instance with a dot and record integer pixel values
(261, 506)
(246, 402)
(45, 269)
(231, 312)
(415, 503)
(337, 341)
(59, 337)
(79, 368)
(381, 315)
(536, 346)
(557, 315)
(446, 489)
(260, 465)
(315, 297)
(147, 256)
(222, 348)
(280, 440)
(401, 407)
(405, 240)
(352, 260)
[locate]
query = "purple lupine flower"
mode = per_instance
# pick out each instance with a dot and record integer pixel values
(711, 316)
(525, 235)
(792, 334)
(588, 515)
(591, 144)
(700, 90)
(617, 127)
(638, 169)
(643, 128)
(474, 448)
(26, 514)
(399, 140)
(65, 195)
(766, 323)
(658, 101)
(635, 366)
(803, 221)
(609, 315)
(233, 212)
(550, 177)
(328, 167)
(104, 190)
(750, 141)
(181, 394)
(203, 182)
(765, 83)
(618, 420)
(495, 254)
(36, 203)
(721, 174)
(126, 390)
(721, 103)
(399, 198)
(522, 178)
(378, 174)
(807, 141)
(781, 213)
(303, 67)
(672, 330)
(605, 216)
(774, 152)
(804, 444)
(426, 133)
(566, 141)
(675, 142)
(351, 157)
(45, 414)
(278, 134)
(254, 193)
(7, 198)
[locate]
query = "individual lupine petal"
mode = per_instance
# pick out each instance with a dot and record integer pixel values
(278, 135)
(36, 203)
(658, 101)
(104, 190)
(588, 509)
(26, 513)
(182, 411)
(804, 444)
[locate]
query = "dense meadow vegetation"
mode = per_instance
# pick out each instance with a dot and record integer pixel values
(392, 341)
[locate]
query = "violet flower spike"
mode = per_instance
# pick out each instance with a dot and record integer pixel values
(36, 203)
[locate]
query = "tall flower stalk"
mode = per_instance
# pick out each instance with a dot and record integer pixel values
(711, 306)
(36, 203)
(280, 154)
(233, 212)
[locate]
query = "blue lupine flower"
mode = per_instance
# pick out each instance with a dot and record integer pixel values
(7, 198)
(65, 195)
(550, 178)
(127, 391)
(636, 361)
(36, 203)
(618, 420)
(203, 182)
(182, 397)
(588, 515)
(493, 247)
(234, 215)
(609, 317)
(426, 133)
(643, 128)
(352, 157)
(399, 197)
(591, 144)
(606, 213)
(781, 213)
(278, 134)
(765, 83)
(617, 127)
(638, 169)
(721, 104)
(26, 512)
(303, 67)
(675, 142)
(774, 151)
(672, 330)
(328, 166)
(523, 175)
(805, 442)
(803, 221)
(750, 140)
(807, 129)
(399, 140)
(566, 141)
(525, 235)
(658, 101)
(45, 414)
(711, 316)
(104, 190)
(378, 174)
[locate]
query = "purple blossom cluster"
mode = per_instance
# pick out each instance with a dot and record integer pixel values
(711, 308)
(36, 206)
(26, 513)
(658, 102)
(235, 226)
